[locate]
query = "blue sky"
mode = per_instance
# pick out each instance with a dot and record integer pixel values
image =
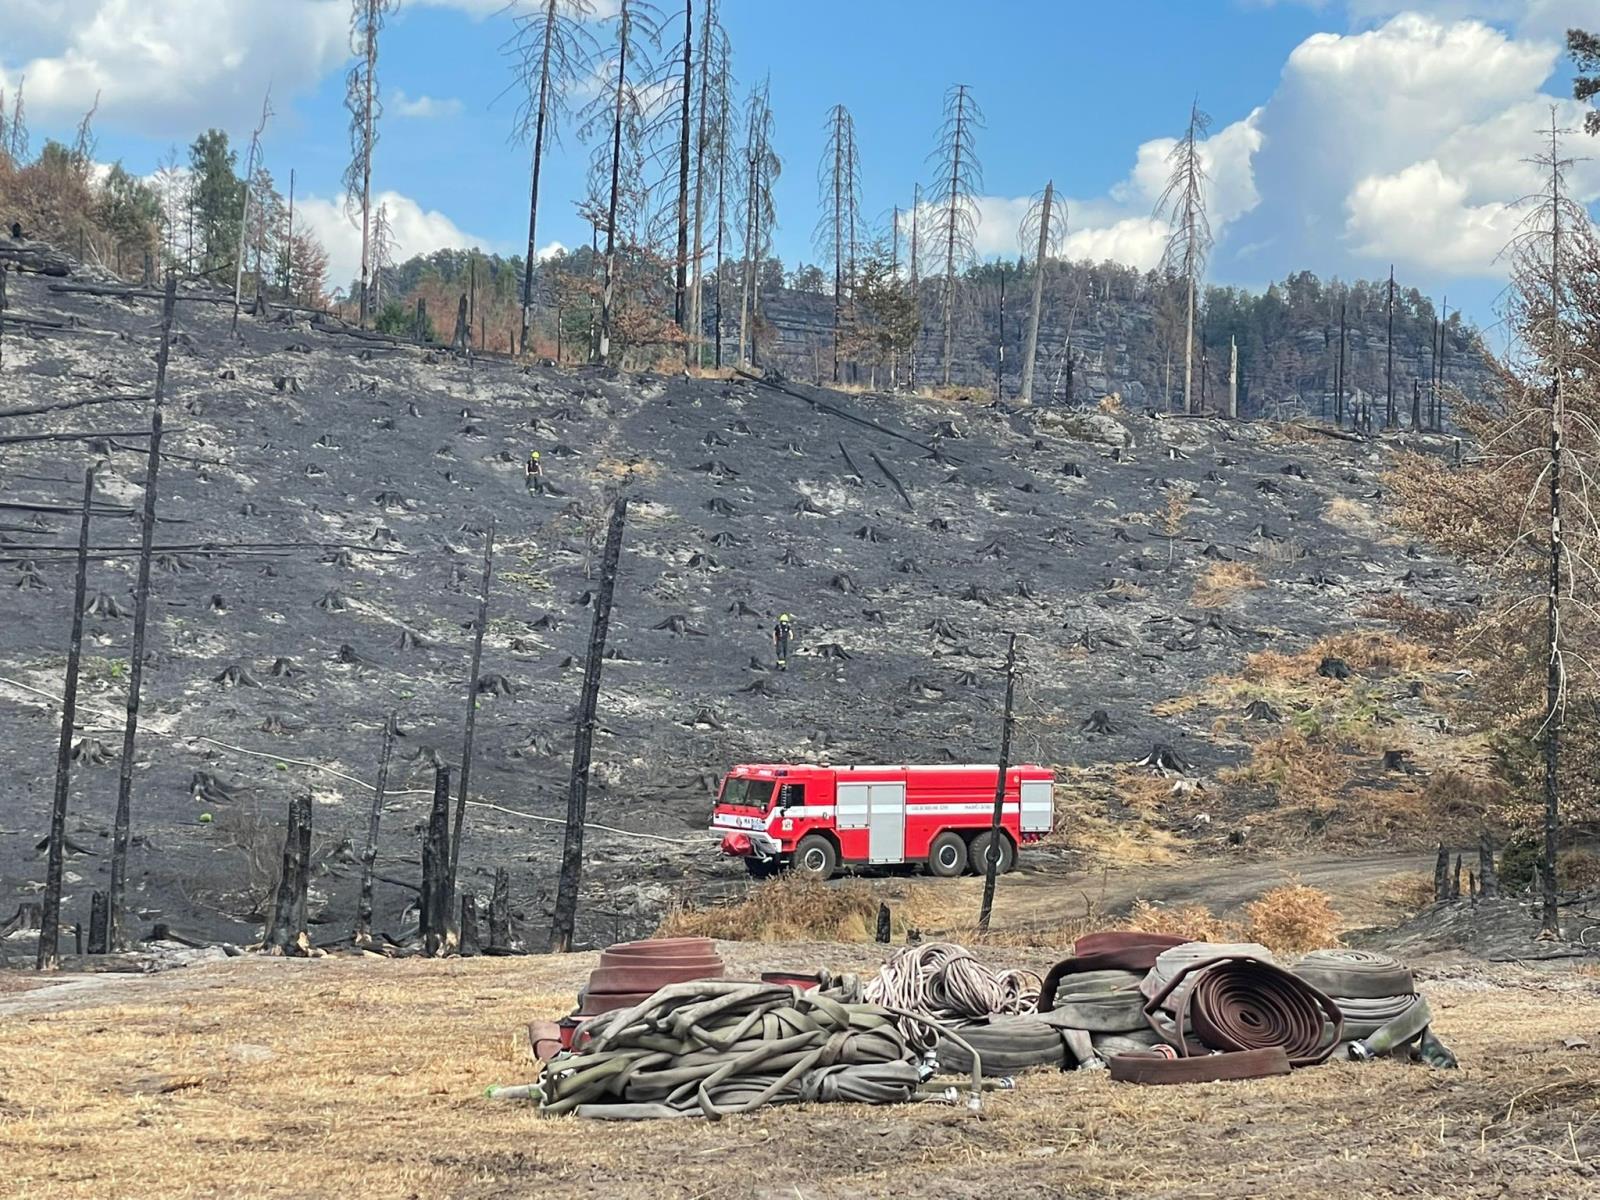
(1346, 134)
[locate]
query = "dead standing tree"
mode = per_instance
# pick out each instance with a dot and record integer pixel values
(566, 914)
(620, 111)
(369, 855)
(1043, 231)
(762, 166)
(50, 924)
(244, 217)
(361, 100)
(839, 193)
(1183, 202)
(141, 608)
(478, 628)
(685, 98)
(955, 220)
(993, 847)
(554, 53)
(711, 153)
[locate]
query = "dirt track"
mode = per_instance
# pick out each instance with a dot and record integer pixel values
(263, 1078)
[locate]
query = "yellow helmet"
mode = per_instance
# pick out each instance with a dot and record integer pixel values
(784, 617)
(533, 454)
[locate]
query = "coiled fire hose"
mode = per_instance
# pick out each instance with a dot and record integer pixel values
(714, 1047)
(944, 982)
(1236, 1000)
(1378, 996)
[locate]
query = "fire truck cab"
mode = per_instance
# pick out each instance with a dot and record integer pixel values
(817, 819)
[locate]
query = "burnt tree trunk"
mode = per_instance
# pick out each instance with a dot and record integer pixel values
(287, 933)
(369, 856)
(98, 937)
(2, 314)
(49, 956)
(992, 858)
(566, 913)
(470, 944)
(419, 327)
(141, 609)
(436, 869)
(472, 700)
(1441, 875)
(500, 912)
(1488, 877)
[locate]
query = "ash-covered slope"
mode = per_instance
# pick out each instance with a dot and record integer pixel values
(347, 485)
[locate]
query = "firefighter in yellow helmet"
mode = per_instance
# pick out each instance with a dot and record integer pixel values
(782, 631)
(534, 472)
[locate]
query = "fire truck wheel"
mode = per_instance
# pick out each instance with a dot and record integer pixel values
(761, 868)
(815, 858)
(979, 855)
(947, 856)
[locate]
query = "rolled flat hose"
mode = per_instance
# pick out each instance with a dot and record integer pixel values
(1006, 1045)
(1355, 974)
(1238, 1002)
(1205, 1068)
(1102, 953)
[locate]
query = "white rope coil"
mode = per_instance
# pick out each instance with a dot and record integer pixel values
(944, 981)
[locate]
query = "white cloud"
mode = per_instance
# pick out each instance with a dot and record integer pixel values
(425, 107)
(167, 67)
(1406, 143)
(416, 231)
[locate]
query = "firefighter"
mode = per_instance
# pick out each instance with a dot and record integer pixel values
(781, 633)
(534, 473)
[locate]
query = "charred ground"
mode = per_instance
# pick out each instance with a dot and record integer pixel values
(343, 488)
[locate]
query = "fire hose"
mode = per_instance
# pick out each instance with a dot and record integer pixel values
(1230, 998)
(715, 1047)
(1378, 996)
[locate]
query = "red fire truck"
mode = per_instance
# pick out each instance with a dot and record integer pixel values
(815, 819)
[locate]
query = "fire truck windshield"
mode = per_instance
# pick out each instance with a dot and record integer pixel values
(753, 793)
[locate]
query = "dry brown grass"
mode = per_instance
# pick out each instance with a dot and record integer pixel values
(1111, 404)
(1367, 652)
(1292, 919)
(1578, 870)
(1221, 582)
(1409, 891)
(375, 1088)
(1195, 922)
(785, 909)
(1345, 513)
(1417, 622)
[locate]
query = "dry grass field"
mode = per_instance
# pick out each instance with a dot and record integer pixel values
(339, 1077)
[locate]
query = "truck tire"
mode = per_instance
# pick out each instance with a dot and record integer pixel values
(947, 856)
(978, 856)
(815, 858)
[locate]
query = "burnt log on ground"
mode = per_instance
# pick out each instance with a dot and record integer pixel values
(37, 258)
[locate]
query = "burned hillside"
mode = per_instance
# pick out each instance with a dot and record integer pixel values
(324, 502)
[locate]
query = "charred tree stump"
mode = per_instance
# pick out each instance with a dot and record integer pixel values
(436, 869)
(98, 943)
(884, 930)
(1262, 710)
(369, 856)
(1441, 875)
(470, 944)
(500, 913)
(49, 956)
(121, 828)
(1100, 722)
(472, 700)
(1455, 880)
(1488, 877)
(1164, 759)
(286, 935)
(566, 914)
